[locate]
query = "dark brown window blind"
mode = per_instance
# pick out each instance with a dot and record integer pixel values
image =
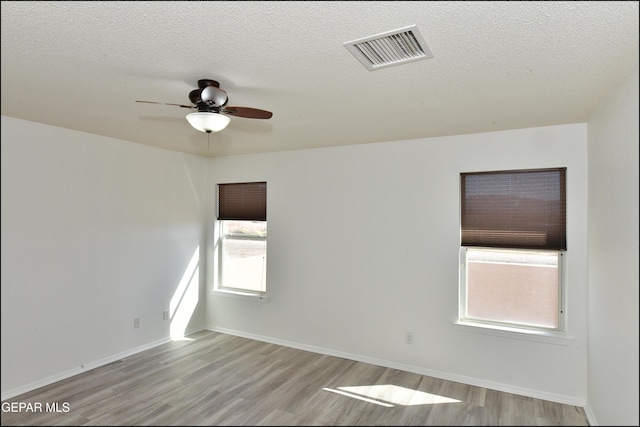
(523, 209)
(242, 201)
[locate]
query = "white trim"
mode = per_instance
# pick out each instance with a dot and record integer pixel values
(239, 294)
(551, 337)
(220, 237)
(536, 394)
(82, 368)
(591, 418)
(513, 328)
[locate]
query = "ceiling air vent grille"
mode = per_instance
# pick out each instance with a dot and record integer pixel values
(390, 48)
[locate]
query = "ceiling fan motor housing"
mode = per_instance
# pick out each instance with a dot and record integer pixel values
(212, 113)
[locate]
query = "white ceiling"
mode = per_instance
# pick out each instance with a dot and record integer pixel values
(496, 65)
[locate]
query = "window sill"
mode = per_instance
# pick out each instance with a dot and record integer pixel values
(242, 295)
(550, 337)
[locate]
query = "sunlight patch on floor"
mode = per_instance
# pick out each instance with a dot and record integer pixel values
(389, 395)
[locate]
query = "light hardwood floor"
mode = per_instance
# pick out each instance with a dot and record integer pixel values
(220, 379)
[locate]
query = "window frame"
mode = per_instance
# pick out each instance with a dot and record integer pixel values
(502, 327)
(464, 318)
(221, 270)
(248, 204)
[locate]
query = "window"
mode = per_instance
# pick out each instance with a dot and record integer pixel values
(513, 237)
(242, 243)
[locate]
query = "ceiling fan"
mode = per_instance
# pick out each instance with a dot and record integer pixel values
(212, 112)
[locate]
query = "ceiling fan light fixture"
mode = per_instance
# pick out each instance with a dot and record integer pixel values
(208, 121)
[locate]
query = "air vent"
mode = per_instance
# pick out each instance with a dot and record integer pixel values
(390, 48)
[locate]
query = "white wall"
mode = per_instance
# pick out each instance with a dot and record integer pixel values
(95, 232)
(613, 257)
(363, 245)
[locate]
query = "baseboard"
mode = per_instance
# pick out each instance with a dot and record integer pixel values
(83, 368)
(536, 394)
(552, 397)
(591, 418)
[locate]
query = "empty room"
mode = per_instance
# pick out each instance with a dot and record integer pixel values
(320, 213)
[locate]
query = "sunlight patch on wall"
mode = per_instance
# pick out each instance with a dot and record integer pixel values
(185, 299)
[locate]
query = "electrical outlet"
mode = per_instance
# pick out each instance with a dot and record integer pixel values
(136, 323)
(408, 337)
(165, 315)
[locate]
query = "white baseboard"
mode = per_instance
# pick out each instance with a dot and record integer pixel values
(591, 418)
(537, 394)
(80, 369)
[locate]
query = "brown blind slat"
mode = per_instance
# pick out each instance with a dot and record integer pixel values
(242, 201)
(514, 209)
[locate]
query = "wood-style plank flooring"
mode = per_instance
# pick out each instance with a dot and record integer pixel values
(219, 379)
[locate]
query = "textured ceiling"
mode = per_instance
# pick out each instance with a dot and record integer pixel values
(496, 65)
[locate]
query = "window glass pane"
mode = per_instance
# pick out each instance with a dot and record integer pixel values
(244, 255)
(245, 228)
(516, 287)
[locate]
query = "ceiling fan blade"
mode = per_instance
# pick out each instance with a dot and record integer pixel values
(249, 113)
(167, 103)
(194, 96)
